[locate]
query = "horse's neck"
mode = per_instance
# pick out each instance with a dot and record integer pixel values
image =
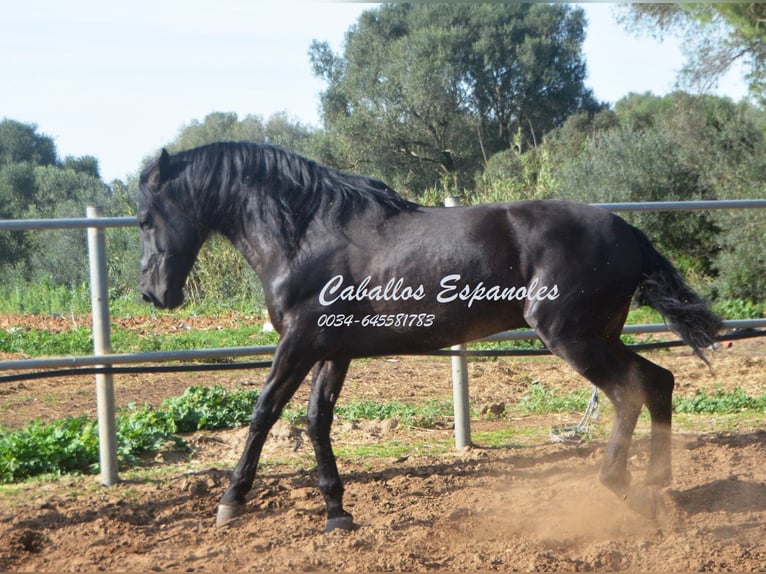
(264, 253)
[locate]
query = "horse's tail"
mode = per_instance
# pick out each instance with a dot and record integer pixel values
(663, 289)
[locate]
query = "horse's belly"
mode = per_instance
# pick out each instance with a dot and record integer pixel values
(419, 330)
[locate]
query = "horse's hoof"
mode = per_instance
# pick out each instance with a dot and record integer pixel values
(647, 501)
(339, 523)
(227, 513)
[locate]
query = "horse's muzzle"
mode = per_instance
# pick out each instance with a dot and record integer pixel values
(150, 298)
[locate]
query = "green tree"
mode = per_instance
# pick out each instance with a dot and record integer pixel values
(429, 91)
(218, 126)
(35, 184)
(279, 129)
(17, 188)
(61, 257)
(86, 164)
(20, 143)
(676, 147)
(716, 37)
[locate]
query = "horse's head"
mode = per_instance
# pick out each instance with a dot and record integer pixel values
(171, 234)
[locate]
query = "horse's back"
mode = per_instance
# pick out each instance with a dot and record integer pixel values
(550, 265)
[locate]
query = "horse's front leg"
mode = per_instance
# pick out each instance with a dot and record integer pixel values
(326, 385)
(287, 372)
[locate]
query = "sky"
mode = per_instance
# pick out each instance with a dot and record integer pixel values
(118, 80)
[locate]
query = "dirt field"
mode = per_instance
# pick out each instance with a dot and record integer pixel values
(530, 505)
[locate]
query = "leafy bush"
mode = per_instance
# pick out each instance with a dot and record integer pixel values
(76, 341)
(424, 415)
(719, 402)
(64, 446)
(142, 429)
(210, 408)
(739, 309)
(742, 259)
(70, 445)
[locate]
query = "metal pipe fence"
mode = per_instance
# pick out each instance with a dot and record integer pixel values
(103, 356)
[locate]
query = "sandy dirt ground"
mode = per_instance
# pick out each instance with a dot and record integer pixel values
(527, 505)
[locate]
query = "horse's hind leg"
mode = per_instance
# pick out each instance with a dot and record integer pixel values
(658, 384)
(325, 387)
(629, 381)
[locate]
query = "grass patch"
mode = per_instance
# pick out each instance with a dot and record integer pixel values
(540, 399)
(79, 341)
(393, 449)
(425, 415)
(720, 402)
(505, 438)
(36, 343)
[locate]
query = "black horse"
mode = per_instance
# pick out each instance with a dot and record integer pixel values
(351, 269)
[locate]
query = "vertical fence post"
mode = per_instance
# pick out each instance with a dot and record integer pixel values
(102, 345)
(461, 405)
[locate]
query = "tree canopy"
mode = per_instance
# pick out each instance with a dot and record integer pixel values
(428, 91)
(716, 37)
(34, 183)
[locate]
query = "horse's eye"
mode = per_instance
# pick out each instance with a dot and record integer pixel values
(144, 223)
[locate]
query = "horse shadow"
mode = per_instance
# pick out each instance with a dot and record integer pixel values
(732, 494)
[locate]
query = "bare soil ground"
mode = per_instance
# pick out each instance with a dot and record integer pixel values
(529, 505)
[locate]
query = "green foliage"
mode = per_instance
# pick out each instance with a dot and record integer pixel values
(512, 345)
(542, 400)
(424, 415)
(44, 298)
(65, 446)
(739, 309)
(222, 277)
(36, 342)
(482, 101)
(142, 429)
(424, 91)
(716, 36)
(512, 176)
(20, 143)
(719, 402)
(625, 165)
(34, 184)
(676, 147)
(71, 445)
(279, 129)
(741, 262)
(78, 340)
(202, 407)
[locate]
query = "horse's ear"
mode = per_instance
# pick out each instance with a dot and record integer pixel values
(164, 165)
(160, 172)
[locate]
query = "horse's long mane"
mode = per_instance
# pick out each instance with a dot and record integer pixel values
(290, 190)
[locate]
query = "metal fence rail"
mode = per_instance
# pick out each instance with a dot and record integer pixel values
(95, 224)
(231, 352)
